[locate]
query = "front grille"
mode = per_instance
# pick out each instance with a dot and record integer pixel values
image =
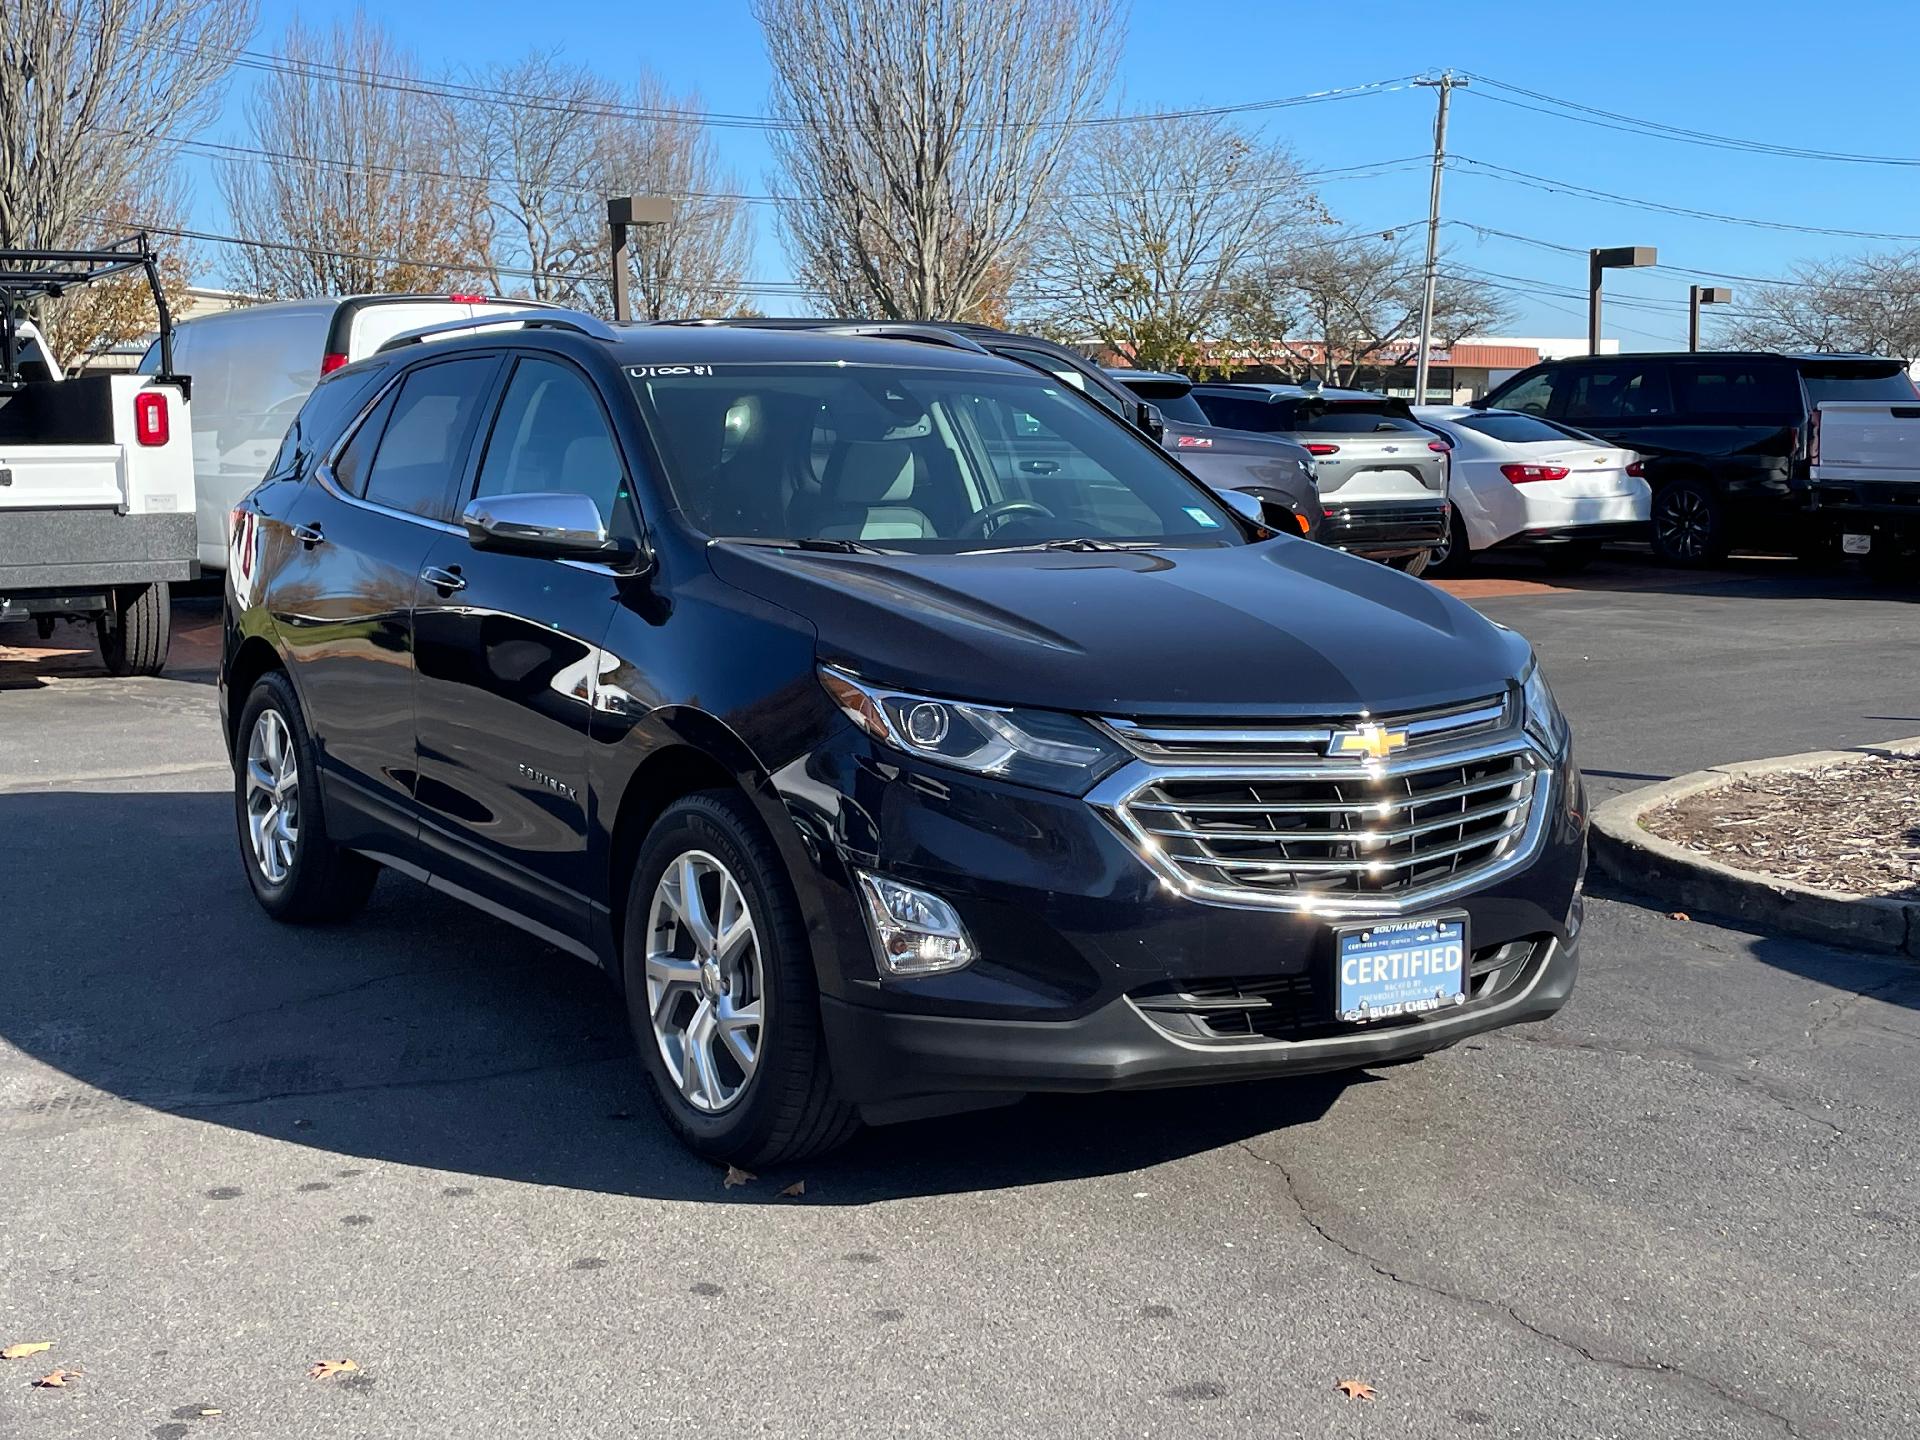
(1304, 816)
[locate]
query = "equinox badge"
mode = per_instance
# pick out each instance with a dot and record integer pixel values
(1369, 740)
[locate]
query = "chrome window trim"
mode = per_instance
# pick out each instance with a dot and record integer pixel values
(1114, 796)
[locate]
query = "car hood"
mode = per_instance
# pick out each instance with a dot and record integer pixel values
(1281, 627)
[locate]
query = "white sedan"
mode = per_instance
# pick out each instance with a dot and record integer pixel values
(1518, 481)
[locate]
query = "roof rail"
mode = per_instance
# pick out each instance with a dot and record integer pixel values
(577, 321)
(931, 332)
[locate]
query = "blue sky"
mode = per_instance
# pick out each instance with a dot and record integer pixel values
(1833, 77)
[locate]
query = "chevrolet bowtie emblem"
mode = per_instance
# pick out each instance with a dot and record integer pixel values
(1372, 741)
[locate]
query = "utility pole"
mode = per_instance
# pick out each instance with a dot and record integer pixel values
(1445, 85)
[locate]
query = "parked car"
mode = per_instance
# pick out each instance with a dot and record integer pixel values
(1728, 437)
(96, 473)
(253, 368)
(1521, 482)
(901, 734)
(1383, 478)
(1279, 472)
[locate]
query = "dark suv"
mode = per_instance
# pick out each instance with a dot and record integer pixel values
(1726, 435)
(901, 733)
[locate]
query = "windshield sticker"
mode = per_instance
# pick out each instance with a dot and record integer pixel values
(1201, 517)
(647, 372)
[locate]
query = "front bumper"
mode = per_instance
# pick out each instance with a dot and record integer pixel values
(1090, 960)
(1385, 528)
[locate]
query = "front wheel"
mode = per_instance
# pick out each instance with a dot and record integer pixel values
(1689, 526)
(720, 990)
(296, 871)
(135, 629)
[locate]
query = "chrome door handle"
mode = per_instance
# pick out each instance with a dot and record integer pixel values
(445, 581)
(308, 535)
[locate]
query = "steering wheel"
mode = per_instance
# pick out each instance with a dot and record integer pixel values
(989, 519)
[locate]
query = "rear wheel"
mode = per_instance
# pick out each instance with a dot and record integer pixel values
(1455, 557)
(1689, 526)
(1414, 564)
(720, 990)
(296, 871)
(135, 628)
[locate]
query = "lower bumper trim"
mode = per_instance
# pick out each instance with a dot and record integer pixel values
(882, 1056)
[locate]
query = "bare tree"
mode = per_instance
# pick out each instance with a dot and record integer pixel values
(368, 196)
(1151, 247)
(1339, 305)
(922, 137)
(696, 263)
(1869, 304)
(540, 164)
(95, 95)
(92, 319)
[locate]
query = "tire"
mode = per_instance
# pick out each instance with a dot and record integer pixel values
(1572, 557)
(1689, 524)
(135, 629)
(1456, 556)
(784, 1107)
(317, 881)
(1414, 564)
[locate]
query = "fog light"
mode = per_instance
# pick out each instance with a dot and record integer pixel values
(914, 932)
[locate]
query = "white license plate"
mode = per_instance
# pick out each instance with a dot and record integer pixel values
(1856, 544)
(1401, 967)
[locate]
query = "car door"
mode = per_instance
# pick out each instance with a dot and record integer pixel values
(508, 662)
(343, 603)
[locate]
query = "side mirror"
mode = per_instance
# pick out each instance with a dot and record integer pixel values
(1152, 421)
(1247, 507)
(558, 525)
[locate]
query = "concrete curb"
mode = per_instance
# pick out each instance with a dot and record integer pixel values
(1625, 851)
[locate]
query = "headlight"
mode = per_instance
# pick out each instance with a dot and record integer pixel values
(1544, 721)
(1030, 747)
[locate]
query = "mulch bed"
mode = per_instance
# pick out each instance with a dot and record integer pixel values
(1851, 828)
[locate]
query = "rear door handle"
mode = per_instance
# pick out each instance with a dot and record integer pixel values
(308, 535)
(445, 581)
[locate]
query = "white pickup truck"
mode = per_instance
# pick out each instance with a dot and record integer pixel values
(96, 473)
(1864, 480)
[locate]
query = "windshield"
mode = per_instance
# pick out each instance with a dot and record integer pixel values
(912, 459)
(1861, 380)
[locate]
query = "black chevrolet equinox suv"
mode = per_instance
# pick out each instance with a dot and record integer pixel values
(900, 732)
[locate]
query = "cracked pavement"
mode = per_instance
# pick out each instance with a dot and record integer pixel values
(1687, 1206)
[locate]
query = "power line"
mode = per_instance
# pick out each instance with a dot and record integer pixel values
(1615, 120)
(1548, 183)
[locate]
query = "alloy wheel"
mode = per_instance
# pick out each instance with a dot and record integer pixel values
(273, 797)
(1685, 524)
(705, 988)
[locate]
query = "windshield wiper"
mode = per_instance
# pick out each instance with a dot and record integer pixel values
(832, 544)
(1078, 542)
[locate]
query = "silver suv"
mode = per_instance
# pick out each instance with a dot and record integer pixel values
(1383, 475)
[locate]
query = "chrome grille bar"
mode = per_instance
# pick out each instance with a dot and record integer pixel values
(1378, 866)
(1347, 837)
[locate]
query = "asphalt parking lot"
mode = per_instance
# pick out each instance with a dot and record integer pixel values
(1687, 1206)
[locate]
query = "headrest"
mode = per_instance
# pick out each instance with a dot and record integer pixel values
(870, 472)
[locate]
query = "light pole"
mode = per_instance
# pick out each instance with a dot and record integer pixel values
(624, 212)
(1698, 295)
(1620, 257)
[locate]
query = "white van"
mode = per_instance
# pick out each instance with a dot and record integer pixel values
(252, 370)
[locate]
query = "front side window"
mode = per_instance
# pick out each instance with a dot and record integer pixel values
(1532, 396)
(424, 445)
(1060, 370)
(552, 436)
(909, 458)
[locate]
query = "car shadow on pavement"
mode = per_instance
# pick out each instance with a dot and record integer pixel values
(1746, 577)
(139, 972)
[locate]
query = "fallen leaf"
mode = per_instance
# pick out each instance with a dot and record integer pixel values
(795, 1190)
(1679, 915)
(56, 1380)
(325, 1369)
(737, 1176)
(1354, 1389)
(24, 1349)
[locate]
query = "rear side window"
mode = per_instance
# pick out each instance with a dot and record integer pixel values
(350, 470)
(321, 421)
(552, 435)
(1628, 391)
(1513, 429)
(1734, 388)
(1857, 380)
(1235, 412)
(424, 445)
